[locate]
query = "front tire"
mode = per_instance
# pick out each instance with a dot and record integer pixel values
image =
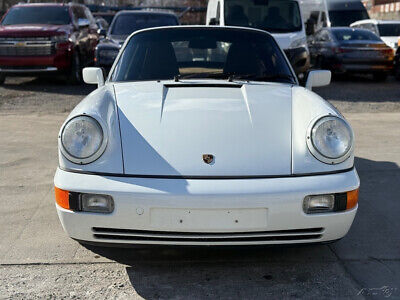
(2, 78)
(380, 76)
(75, 73)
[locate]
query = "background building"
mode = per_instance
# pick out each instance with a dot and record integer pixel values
(383, 9)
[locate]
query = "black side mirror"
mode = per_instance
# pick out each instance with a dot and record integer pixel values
(102, 32)
(310, 27)
(213, 21)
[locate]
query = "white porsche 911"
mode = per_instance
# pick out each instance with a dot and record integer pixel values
(201, 135)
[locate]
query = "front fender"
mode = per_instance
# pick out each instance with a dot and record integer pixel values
(101, 105)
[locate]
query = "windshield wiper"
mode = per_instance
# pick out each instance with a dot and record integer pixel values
(255, 77)
(231, 77)
(216, 75)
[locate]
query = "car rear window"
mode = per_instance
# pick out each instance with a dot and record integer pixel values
(125, 24)
(56, 15)
(355, 35)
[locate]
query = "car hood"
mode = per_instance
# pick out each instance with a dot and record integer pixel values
(33, 30)
(167, 127)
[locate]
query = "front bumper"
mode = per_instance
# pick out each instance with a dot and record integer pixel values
(206, 212)
(299, 59)
(339, 65)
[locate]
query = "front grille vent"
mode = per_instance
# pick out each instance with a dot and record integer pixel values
(26, 47)
(209, 237)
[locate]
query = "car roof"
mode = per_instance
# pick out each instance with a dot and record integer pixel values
(374, 21)
(147, 12)
(47, 4)
(345, 28)
(205, 27)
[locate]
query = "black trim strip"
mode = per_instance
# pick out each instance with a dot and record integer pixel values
(203, 177)
(186, 233)
(191, 85)
(241, 239)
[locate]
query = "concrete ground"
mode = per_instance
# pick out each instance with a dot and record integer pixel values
(38, 260)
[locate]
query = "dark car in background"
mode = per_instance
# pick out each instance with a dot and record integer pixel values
(47, 38)
(123, 24)
(349, 50)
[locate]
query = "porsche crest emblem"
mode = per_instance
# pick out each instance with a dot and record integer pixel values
(208, 158)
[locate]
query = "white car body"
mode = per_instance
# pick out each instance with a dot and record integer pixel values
(164, 193)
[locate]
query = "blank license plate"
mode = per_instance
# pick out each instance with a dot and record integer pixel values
(245, 219)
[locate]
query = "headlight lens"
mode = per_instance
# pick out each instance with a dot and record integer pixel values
(82, 138)
(332, 138)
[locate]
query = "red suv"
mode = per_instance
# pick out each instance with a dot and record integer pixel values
(47, 38)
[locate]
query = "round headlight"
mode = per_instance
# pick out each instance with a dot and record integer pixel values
(331, 140)
(82, 140)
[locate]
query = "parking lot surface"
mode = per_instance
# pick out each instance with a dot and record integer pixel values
(38, 260)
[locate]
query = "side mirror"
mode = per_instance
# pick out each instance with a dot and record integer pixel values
(92, 75)
(310, 27)
(83, 23)
(213, 21)
(318, 78)
(102, 32)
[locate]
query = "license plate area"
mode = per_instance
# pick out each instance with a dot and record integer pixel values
(211, 220)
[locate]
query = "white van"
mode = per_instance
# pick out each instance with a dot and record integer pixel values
(331, 13)
(282, 18)
(388, 31)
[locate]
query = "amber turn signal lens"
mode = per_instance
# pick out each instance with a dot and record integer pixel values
(352, 199)
(62, 198)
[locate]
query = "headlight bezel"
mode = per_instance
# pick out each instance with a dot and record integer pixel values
(96, 155)
(316, 153)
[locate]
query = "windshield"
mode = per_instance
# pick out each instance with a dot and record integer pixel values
(355, 35)
(202, 53)
(125, 24)
(389, 29)
(56, 15)
(340, 18)
(271, 15)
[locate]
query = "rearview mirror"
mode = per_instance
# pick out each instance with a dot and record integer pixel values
(92, 75)
(318, 78)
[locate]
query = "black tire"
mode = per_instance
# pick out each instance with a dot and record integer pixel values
(2, 78)
(75, 73)
(397, 72)
(380, 76)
